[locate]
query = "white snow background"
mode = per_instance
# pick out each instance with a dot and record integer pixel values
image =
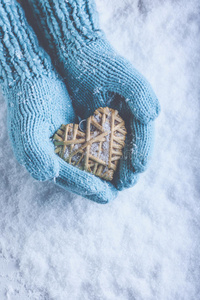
(55, 245)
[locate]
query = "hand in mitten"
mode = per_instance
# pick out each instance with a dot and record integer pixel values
(38, 103)
(97, 76)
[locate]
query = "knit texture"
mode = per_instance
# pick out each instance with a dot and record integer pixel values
(88, 185)
(75, 23)
(87, 61)
(38, 103)
(97, 76)
(20, 56)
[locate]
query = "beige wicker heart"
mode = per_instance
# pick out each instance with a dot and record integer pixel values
(97, 150)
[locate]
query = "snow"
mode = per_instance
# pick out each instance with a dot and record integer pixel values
(145, 244)
(94, 149)
(104, 150)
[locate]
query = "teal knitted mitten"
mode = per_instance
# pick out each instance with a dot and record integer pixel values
(97, 76)
(38, 103)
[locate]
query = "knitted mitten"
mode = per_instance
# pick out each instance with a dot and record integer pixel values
(97, 76)
(38, 103)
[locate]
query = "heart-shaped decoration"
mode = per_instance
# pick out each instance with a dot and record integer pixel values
(99, 148)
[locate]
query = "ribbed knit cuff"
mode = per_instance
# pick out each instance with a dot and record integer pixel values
(67, 25)
(20, 55)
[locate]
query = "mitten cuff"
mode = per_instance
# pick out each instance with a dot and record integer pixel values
(20, 55)
(67, 25)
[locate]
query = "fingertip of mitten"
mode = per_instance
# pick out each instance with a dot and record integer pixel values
(158, 108)
(155, 111)
(107, 195)
(128, 181)
(141, 166)
(85, 184)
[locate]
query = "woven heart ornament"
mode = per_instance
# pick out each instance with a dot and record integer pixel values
(99, 148)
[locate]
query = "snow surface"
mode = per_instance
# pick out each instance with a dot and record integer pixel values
(144, 245)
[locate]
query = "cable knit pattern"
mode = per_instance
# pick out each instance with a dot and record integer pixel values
(97, 76)
(38, 103)
(85, 58)
(20, 55)
(74, 22)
